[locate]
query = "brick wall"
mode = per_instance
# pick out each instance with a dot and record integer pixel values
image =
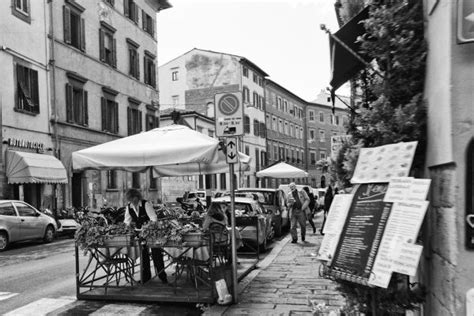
(197, 99)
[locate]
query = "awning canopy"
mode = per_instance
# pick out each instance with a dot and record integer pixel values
(282, 170)
(344, 65)
(25, 167)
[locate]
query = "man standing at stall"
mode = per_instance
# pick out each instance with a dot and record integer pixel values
(139, 212)
(298, 201)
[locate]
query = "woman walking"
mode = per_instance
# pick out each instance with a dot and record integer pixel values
(310, 209)
(327, 204)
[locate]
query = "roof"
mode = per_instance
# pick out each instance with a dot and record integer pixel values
(241, 59)
(324, 98)
(269, 81)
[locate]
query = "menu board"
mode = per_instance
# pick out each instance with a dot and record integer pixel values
(380, 164)
(363, 229)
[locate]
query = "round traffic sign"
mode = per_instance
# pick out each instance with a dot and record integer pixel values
(228, 104)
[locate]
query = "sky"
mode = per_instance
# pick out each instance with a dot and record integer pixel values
(282, 37)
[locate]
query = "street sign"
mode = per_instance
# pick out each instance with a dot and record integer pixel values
(229, 114)
(231, 150)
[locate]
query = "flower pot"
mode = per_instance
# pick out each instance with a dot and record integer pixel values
(119, 241)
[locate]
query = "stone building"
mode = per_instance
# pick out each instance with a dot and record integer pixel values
(285, 120)
(90, 79)
(322, 124)
(191, 82)
(29, 169)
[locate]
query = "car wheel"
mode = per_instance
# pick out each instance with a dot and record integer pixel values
(3, 241)
(49, 234)
(271, 233)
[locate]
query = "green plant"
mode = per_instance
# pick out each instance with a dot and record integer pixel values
(163, 231)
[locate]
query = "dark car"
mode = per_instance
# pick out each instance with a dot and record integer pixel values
(274, 200)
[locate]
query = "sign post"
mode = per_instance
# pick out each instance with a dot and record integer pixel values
(229, 124)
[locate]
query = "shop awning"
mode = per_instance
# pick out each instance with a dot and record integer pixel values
(344, 65)
(25, 167)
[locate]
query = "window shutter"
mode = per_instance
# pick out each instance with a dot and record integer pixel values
(34, 90)
(86, 110)
(137, 65)
(116, 118)
(129, 121)
(83, 35)
(153, 75)
(152, 27)
(140, 124)
(126, 8)
(114, 53)
(144, 20)
(103, 110)
(67, 24)
(145, 72)
(101, 45)
(69, 105)
(135, 12)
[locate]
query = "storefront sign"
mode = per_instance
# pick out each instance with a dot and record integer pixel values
(22, 143)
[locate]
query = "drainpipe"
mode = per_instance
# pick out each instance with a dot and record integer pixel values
(54, 116)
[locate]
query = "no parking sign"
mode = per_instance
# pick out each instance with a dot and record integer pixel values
(229, 114)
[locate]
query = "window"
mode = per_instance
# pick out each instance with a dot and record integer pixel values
(148, 23)
(136, 180)
(109, 109)
(27, 92)
(223, 181)
(322, 136)
(257, 159)
(76, 105)
(134, 120)
(322, 155)
(312, 134)
(286, 128)
(246, 124)
(149, 69)
(280, 126)
(274, 124)
(210, 133)
(245, 72)
(133, 59)
(199, 128)
(312, 156)
(285, 105)
(263, 130)
(107, 45)
(73, 24)
(255, 99)
(311, 115)
(279, 101)
(111, 179)
(263, 158)
(292, 130)
(321, 117)
(332, 119)
(6, 209)
(21, 9)
(175, 100)
(174, 75)
(275, 152)
(255, 78)
(151, 121)
(337, 119)
(247, 150)
(153, 185)
(24, 210)
(130, 10)
(256, 128)
(260, 81)
(246, 94)
(261, 103)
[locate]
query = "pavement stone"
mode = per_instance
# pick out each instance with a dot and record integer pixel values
(286, 282)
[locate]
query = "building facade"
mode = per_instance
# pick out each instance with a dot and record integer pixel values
(285, 120)
(25, 109)
(322, 123)
(191, 82)
(90, 79)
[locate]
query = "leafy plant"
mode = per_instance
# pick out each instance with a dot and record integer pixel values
(163, 231)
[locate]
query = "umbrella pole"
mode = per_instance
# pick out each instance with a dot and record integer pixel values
(233, 237)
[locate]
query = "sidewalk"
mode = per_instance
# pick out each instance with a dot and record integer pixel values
(285, 282)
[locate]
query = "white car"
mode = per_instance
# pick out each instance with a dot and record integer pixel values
(20, 221)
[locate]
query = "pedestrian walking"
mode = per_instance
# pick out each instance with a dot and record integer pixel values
(309, 211)
(297, 202)
(139, 212)
(328, 197)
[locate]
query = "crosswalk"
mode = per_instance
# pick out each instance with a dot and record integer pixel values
(69, 305)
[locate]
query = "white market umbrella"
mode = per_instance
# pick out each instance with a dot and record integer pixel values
(282, 170)
(193, 168)
(170, 145)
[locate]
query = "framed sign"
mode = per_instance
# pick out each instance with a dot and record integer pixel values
(465, 21)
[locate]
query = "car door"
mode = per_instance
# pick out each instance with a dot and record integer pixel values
(9, 220)
(32, 225)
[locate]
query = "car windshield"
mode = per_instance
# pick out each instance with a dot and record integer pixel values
(269, 197)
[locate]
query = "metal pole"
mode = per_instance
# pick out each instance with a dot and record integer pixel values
(233, 237)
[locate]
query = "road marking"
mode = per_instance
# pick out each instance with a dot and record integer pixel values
(118, 309)
(6, 295)
(40, 307)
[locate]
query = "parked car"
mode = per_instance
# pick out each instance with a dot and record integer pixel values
(274, 200)
(244, 207)
(20, 221)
